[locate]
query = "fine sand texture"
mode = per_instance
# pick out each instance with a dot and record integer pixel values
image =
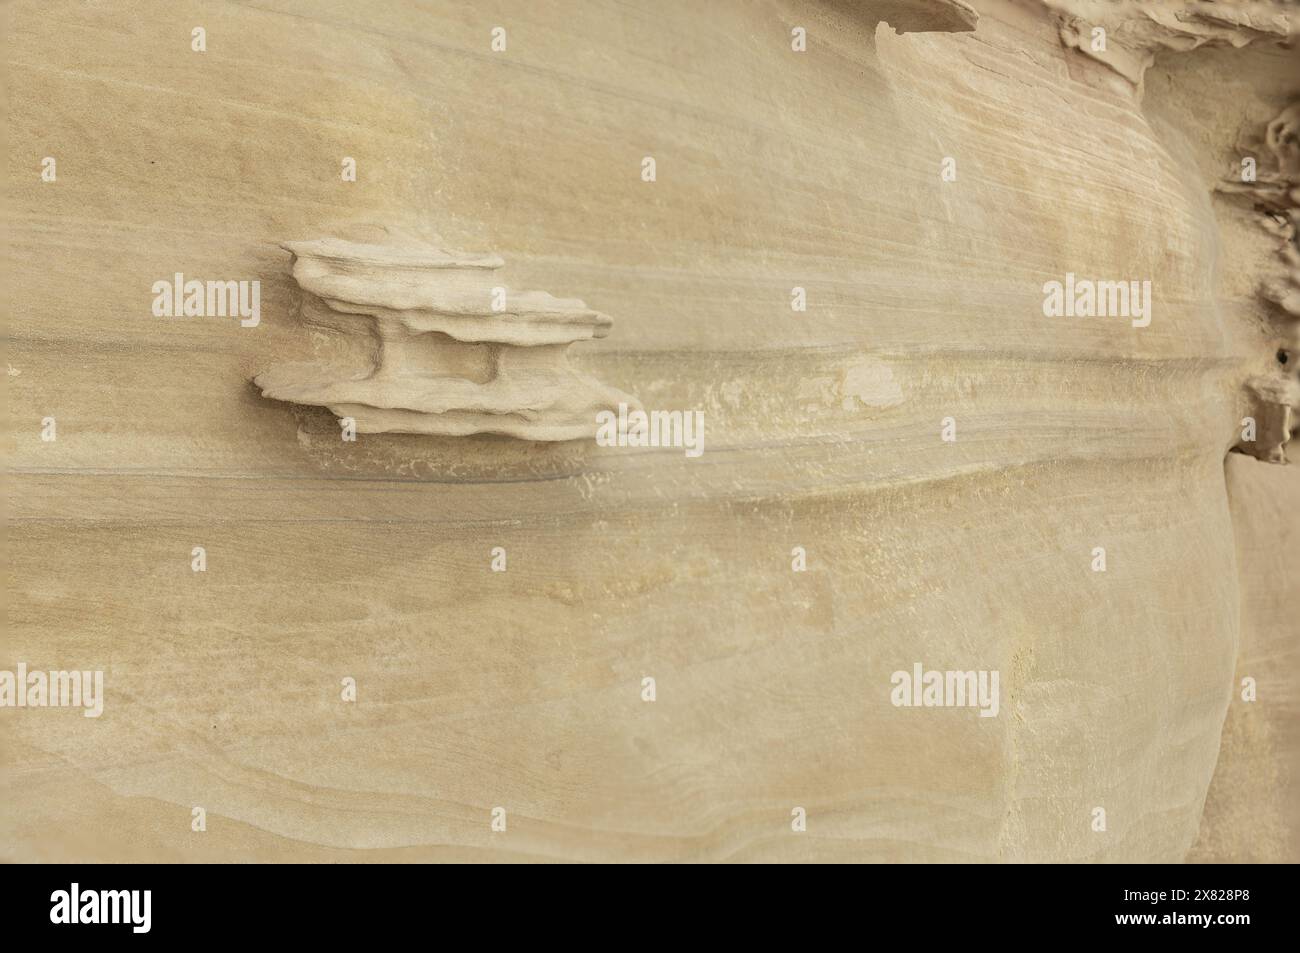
(364, 577)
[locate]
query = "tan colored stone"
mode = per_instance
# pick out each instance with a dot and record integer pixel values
(372, 560)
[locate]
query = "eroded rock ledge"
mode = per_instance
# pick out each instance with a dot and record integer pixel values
(1136, 30)
(1269, 181)
(456, 352)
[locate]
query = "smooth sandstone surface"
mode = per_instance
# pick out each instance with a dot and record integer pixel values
(775, 169)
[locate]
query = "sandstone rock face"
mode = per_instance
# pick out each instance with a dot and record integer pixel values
(844, 254)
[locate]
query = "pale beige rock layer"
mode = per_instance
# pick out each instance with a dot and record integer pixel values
(776, 169)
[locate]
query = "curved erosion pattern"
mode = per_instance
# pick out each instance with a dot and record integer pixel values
(822, 170)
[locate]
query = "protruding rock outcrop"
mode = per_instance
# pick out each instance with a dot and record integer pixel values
(1136, 30)
(1269, 180)
(457, 353)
